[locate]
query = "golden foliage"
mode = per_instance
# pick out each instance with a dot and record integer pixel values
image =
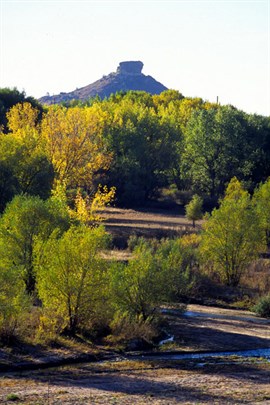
(75, 144)
(87, 209)
(22, 117)
(192, 240)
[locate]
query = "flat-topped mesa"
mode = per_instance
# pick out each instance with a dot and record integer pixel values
(130, 68)
(128, 77)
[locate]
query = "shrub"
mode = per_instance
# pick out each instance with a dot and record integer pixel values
(14, 303)
(127, 331)
(50, 325)
(262, 308)
(13, 397)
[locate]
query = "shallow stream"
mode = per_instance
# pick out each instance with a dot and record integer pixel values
(256, 353)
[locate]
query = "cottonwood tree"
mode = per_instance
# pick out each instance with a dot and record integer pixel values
(144, 146)
(78, 152)
(261, 201)
(75, 145)
(71, 275)
(9, 98)
(25, 167)
(217, 148)
(24, 219)
(136, 287)
(232, 236)
(14, 302)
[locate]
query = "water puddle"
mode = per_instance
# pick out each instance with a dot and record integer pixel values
(263, 353)
(168, 340)
(193, 314)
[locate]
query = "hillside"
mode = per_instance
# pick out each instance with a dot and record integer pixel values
(128, 76)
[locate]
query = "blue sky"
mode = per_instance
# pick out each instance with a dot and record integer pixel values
(201, 48)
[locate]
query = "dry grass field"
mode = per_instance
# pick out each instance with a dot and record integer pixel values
(154, 223)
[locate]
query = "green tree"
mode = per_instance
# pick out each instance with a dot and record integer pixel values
(72, 276)
(13, 300)
(217, 148)
(231, 236)
(143, 143)
(194, 209)
(177, 261)
(25, 219)
(259, 131)
(25, 166)
(159, 271)
(261, 201)
(136, 287)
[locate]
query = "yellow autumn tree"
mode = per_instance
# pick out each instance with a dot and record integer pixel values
(89, 208)
(22, 118)
(75, 144)
(23, 156)
(189, 105)
(76, 148)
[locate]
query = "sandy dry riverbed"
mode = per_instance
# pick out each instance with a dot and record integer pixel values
(224, 380)
(209, 328)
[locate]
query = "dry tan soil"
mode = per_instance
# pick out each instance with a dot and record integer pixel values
(189, 382)
(143, 218)
(225, 380)
(211, 328)
(122, 223)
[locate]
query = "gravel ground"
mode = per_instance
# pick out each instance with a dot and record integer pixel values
(224, 381)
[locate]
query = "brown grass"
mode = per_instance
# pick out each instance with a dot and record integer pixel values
(154, 223)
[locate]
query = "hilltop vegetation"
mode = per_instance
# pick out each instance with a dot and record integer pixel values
(59, 167)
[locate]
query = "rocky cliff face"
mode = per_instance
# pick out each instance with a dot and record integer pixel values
(128, 76)
(130, 68)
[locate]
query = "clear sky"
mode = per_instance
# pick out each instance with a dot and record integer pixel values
(201, 48)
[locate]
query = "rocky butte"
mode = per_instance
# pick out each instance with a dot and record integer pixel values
(128, 76)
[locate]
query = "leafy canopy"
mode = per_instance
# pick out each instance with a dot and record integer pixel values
(71, 275)
(232, 236)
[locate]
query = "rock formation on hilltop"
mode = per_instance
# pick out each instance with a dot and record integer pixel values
(130, 68)
(128, 76)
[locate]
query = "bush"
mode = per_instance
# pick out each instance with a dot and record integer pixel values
(12, 397)
(51, 324)
(128, 332)
(263, 307)
(14, 304)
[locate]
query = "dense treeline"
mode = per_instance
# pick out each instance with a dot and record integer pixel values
(135, 142)
(59, 168)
